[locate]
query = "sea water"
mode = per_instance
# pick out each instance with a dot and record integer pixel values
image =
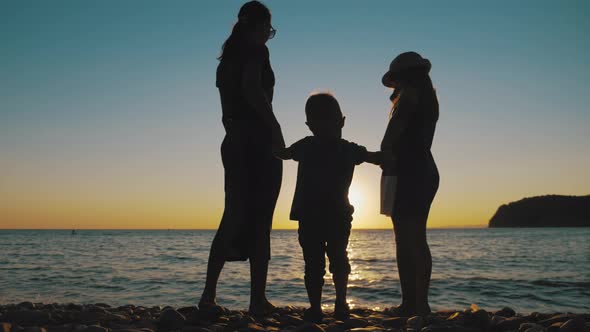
(528, 269)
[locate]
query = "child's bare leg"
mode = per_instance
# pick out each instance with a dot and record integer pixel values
(315, 263)
(314, 291)
(314, 282)
(340, 268)
(340, 284)
(341, 309)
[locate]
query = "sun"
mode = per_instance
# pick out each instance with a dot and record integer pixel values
(355, 197)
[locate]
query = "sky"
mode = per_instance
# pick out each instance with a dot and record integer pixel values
(109, 115)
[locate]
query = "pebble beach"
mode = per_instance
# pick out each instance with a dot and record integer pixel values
(101, 317)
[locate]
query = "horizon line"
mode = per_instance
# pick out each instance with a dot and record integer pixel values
(202, 229)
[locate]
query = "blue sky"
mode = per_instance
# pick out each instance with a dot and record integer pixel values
(109, 115)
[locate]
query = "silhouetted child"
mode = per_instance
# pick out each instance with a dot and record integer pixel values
(326, 165)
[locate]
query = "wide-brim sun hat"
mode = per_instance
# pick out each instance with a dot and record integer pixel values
(402, 62)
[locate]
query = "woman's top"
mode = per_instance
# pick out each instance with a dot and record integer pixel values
(414, 176)
(412, 147)
(239, 117)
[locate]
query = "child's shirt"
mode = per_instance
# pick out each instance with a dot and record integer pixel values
(324, 175)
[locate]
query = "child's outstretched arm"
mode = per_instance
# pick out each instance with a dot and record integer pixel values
(375, 158)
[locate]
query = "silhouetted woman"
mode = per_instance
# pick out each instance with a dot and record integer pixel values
(406, 152)
(252, 174)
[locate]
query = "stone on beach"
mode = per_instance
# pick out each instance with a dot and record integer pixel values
(88, 317)
(560, 318)
(186, 311)
(352, 323)
(531, 327)
(415, 323)
(367, 329)
(309, 327)
(505, 312)
(34, 329)
(194, 329)
(28, 317)
(573, 325)
(26, 305)
(287, 320)
(95, 328)
(171, 319)
(511, 323)
(394, 322)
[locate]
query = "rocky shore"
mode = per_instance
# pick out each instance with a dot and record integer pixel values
(100, 317)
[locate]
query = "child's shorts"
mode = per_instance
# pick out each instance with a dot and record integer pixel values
(319, 237)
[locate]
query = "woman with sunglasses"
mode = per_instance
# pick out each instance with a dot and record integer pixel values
(252, 174)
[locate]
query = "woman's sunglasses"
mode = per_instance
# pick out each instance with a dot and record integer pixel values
(272, 32)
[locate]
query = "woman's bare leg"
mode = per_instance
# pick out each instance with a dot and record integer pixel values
(259, 259)
(258, 275)
(405, 264)
(214, 267)
(267, 184)
(423, 267)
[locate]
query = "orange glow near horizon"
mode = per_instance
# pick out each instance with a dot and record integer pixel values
(141, 193)
(173, 208)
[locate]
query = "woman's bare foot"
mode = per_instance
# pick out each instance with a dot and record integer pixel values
(341, 310)
(423, 310)
(261, 309)
(207, 303)
(400, 311)
(313, 315)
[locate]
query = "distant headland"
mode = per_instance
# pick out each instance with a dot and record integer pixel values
(544, 211)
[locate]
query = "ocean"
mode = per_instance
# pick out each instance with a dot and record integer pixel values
(528, 269)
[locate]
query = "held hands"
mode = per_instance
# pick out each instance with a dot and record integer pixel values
(385, 159)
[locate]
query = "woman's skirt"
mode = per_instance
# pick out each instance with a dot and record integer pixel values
(415, 192)
(252, 183)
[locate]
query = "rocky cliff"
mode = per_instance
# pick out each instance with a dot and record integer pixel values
(544, 211)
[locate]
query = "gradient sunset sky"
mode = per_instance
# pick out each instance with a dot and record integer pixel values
(109, 115)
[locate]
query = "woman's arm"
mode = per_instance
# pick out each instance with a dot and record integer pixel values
(254, 93)
(396, 127)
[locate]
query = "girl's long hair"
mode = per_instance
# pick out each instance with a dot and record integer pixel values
(250, 15)
(418, 79)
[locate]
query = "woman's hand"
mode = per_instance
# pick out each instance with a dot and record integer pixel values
(277, 140)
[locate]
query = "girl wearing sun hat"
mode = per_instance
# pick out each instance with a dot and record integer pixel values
(410, 176)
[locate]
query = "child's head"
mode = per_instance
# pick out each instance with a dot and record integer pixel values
(324, 117)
